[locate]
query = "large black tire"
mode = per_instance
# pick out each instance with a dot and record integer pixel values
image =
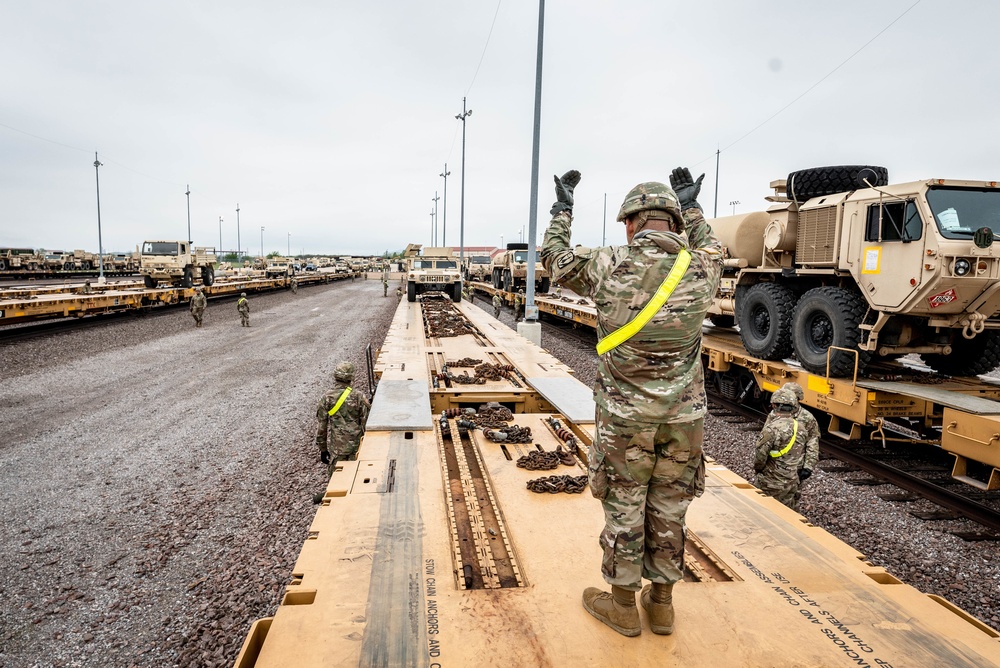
(456, 292)
(765, 317)
(150, 282)
(3, 264)
(497, 284)
(825, 317)
(188, 279)
(207, 275)
(968, 357)
(819, 181)
(85, 265)
(411, 291)
(544, 285)
(508, 281)
(721, 320)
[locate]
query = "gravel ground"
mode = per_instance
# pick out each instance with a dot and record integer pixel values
(920, 553)
(158, 478)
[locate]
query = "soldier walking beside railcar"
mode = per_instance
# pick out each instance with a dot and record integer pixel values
(294, 285)
(786, 452)
(385, 287)
(399, 293)
(243, 307)
(646, 463)
(519, 305)
(497, 303)
(198, 304)
(341, 415)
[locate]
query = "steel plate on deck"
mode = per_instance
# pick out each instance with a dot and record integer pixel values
(570, 397)
(400, 405)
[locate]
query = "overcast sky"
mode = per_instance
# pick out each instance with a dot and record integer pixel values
(331, 121)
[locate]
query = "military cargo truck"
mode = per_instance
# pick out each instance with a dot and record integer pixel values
(510, 270)
(843, 268)
(435, 270)
(478, 267)
(175, 262)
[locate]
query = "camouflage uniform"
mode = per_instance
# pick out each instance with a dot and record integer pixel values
(243, 306)
(806, 421)
(295, 286)
(198, 304)
(399, 293)
(87, 288)
(518, 306)
(646, 463)
(340, 434)
(778, 471)
(385, 287)
(497, 303)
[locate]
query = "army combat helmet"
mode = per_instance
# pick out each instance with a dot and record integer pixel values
(344, 372)
(784, 401)
(796, 388)
(651, 196)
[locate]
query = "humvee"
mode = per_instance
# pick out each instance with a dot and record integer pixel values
(437, 269)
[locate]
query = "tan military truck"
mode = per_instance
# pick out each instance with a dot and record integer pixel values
(844, 266)
(478, 267)
(510, 270)
(278, 267)
(435, 270)
(175, 262)
(19, 259)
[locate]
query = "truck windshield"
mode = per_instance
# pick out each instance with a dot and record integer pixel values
(959, 212)
(480, 259)
(445, 264)
(159, 248)
(521, 256)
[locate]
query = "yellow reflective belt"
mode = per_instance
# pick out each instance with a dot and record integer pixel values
(630, 329)
(242, 299)
(784, 450)
(340, 402)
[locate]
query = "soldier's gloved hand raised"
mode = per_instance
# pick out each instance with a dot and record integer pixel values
(564, 191)
(804, 474)
(325, 456)
(687, 188)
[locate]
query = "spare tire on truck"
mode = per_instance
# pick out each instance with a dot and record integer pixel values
(819, 181)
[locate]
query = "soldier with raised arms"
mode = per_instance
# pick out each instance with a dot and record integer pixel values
(646, 463)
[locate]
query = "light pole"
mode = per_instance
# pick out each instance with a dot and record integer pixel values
(733, 204)
(432, 228)
(220, 238)
(604, 226)
(444, 205)
(434, 236)
(501, 242)
(262, 241)
(239, 246)
(188, 193)
(288, 250)
(100, 243)
(530, 310)
(715, 210)
(461, 225)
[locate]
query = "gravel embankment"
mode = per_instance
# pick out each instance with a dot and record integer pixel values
(920, 553)
(158, 478)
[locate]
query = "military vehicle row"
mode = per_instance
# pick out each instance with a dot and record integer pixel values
(843, 268)
(27, 260)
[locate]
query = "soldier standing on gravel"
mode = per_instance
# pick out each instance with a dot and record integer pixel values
(295, 285)
(399, 293)
(519, 305)
(243, 307)
(646, 463)
(786, 453)
(806, 419)
(198, 304)
(385, 287)
(497, 303)
(341, 414)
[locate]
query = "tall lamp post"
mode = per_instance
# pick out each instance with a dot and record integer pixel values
(432, 227)
(239, 246)
(530, 310)
(188, 194)
(461, 225)
(444, 205)
(100, 243)
(288, 249)
(733, 204)
(220, 236)
(434, 237)
(262, 241)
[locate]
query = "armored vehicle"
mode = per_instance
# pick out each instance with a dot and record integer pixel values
(175, 262)
(510, 270)
(279, 266)
(843, 268)
(19, 259)
(437, 270)
(478, 267)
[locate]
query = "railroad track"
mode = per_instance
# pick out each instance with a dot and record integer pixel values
(958, 504)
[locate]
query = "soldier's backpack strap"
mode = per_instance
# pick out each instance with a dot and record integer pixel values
(660, 297)
(340, 402)
(784, 450)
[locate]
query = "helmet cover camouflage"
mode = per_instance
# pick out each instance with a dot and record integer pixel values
(796, 388)
(243, 294)
(344, 372)
(785, 397)
(651, 195)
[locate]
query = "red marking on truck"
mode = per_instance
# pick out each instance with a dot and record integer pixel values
(942, 298)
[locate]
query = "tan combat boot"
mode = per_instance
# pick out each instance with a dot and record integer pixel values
(658, 602)
(617, 609)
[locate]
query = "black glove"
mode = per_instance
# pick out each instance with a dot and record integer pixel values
(564, 191)
(804, 474)
(325, 456)
(687, 189)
